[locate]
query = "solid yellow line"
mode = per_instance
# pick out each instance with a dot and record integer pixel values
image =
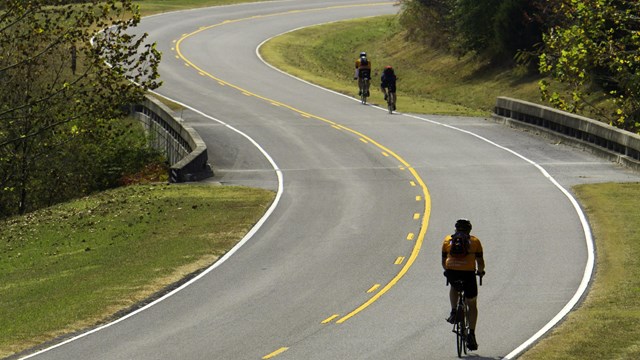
(275, 353)
(427, 204)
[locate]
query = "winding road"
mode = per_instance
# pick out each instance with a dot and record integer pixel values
(347, 263)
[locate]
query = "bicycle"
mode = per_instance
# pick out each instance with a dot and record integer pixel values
(391, 101)
(461, 323)
(364, 91)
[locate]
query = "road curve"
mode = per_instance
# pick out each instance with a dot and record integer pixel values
(347, 265)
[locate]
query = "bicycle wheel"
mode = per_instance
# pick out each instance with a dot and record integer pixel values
(461, 333)
(391, 101)
(365, 91)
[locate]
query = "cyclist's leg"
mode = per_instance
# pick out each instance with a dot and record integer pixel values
(360, 85)
(473, 312)
(471, 294)
(453, 297)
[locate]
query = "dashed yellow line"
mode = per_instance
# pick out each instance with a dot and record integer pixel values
(330, 319)
(373, 288)
(275, 353)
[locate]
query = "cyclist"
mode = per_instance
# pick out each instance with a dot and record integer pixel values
(460, 264)
(363, 71)
(388, 81)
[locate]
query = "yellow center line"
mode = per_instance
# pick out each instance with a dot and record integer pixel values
(365, 139)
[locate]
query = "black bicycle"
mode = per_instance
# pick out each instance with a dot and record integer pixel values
(391, 101)
(364, 93)
(461, 322)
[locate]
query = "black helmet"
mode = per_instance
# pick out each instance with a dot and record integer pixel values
(463, 225)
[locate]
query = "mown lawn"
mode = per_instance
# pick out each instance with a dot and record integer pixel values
(74, 265)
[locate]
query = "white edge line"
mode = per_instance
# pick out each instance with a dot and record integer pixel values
(588, 271)
(219, 262)
(305, 81)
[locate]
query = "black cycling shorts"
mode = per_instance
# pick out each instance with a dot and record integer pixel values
(469, 278)
(364, 74)
(391, 87)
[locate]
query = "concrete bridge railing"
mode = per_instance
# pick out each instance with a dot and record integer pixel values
(610, 142)
(185, 150)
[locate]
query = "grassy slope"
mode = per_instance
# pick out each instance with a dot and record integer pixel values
(149, 7)
(70, 266)
(430, 81)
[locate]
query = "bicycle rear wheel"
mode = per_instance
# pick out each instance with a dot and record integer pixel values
(461, 333)
(391, 102)
(365, 91)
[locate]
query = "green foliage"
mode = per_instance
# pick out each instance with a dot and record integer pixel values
(596, 47)
(57, 90)
(497, 29)
(423, 19)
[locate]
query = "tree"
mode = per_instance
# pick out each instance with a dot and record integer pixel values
(597, 46)
(424, 18)
(496, 29)
(56, 85)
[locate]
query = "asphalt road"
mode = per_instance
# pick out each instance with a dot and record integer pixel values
(347, 264)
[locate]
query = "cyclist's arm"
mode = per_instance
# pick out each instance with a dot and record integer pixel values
(480, 263)
(444, 259)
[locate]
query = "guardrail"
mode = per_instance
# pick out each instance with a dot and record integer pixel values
(185, 150)
(615, 144)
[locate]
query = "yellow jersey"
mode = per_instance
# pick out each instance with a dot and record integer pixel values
(465, 263)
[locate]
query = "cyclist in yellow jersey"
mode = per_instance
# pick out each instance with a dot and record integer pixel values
(463, 263)
(363, 71)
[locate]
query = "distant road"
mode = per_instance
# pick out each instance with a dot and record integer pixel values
(347, 266)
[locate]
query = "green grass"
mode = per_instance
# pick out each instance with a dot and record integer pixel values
(149, 7)
(430, 81)
(607, 324)
(71, 266)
